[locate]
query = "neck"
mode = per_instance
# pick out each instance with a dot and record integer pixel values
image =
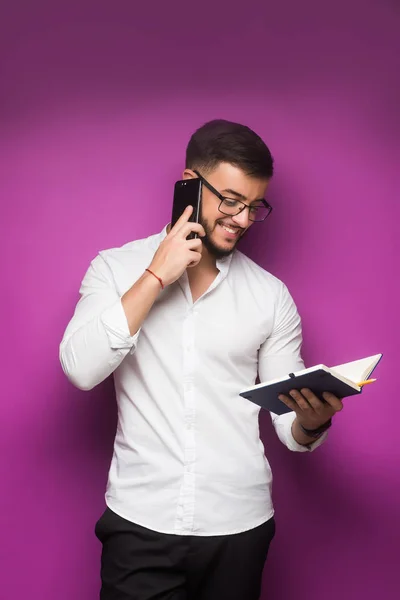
(208, 263)
(202, 275)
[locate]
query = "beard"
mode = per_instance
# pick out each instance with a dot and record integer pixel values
(215, 250)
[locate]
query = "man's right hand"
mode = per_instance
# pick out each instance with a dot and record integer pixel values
(175, 253)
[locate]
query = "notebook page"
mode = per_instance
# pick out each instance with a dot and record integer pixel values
(358, 370)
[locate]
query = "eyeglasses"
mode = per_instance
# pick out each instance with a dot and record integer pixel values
(258, 211)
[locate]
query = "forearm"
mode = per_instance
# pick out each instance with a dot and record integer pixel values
(87, 357)
(105, 326)
(139, 299)
(92, 348)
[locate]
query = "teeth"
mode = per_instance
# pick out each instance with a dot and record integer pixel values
(228, 229)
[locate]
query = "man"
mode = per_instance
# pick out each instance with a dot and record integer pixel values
(184, 325)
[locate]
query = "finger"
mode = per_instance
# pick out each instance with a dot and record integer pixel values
(191, 227)
(318, 405)
(290, 403)
(333, 400)
(300, 401)
(195, 258)
(195, 244)
(183, 219)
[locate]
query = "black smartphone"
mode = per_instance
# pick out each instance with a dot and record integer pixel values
(187, 191)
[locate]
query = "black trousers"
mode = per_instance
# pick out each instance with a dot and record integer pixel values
(141, 564)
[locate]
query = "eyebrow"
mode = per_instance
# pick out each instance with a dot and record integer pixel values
(238, 195)
(233, 193)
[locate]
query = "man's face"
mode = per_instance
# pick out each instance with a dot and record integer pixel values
(222, 231)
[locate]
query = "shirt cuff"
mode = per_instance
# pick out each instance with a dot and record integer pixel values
(117, 328)
(283, 426)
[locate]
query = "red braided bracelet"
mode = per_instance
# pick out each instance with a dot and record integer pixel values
(154, 275)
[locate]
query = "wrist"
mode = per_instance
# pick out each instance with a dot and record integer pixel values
(160, 271)
(153, 279)
(315, 432)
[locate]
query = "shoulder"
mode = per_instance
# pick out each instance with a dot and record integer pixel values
(123, 265)
(264, 287)
(131, 253)
(257, 276)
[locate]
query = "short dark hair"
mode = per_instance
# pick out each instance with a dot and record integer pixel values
(224, 141)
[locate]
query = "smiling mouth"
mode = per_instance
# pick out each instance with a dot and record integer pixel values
(232, 231)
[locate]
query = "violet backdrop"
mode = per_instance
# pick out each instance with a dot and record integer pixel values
(98, 102)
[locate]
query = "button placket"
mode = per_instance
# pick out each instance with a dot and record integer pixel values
(185, 509)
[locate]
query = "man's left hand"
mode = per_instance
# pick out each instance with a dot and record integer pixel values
(312, 412)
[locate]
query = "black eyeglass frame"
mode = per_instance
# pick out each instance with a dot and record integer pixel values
(223, 198)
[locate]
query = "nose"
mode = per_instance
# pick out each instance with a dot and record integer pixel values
(242, 219)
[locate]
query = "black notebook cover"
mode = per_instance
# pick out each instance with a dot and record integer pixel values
(318, 381)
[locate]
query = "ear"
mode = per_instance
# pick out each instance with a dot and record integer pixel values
(189, 174)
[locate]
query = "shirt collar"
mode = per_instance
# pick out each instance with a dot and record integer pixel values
(163, 233)
(224, 263)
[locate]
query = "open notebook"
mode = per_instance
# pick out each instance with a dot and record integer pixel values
(342, 380)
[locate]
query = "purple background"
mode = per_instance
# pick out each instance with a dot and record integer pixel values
(98, 102)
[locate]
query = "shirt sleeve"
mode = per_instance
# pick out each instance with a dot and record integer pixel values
(279, 355)
(97, 338)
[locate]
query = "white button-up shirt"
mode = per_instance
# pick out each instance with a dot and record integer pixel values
(187, 458)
